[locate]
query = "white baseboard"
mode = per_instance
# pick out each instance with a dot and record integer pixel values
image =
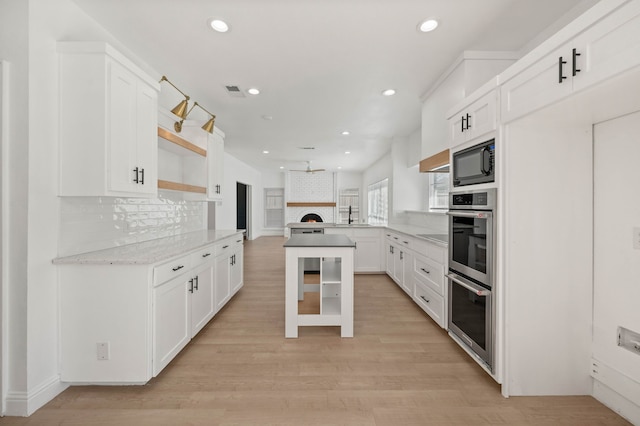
(616, 391)
(272, 232)
(24, 404)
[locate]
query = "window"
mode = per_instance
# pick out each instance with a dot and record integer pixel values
(378, 197)
(438, 191)
(349, 205)
(274, 207)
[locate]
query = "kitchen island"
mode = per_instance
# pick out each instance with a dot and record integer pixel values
(336, 282)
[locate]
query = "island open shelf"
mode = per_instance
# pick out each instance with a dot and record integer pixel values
(336, 282)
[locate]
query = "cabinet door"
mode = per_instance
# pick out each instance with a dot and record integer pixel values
(457, 129)
(610, 47)
(407, 273)
(171, 321)
(202, 298)
(132, 124)
(367, 255)
(215, 160)
(146, 146)
(236, 272)
(537, 86)
(121, 124)
(222, 282)
(482, 116)
(390, 249)
(398, 267)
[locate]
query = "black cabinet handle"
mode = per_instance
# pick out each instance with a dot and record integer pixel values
(423, 298)
(575, 69)
(195, 282)
(406, 242)
(177, 268)
(560, 64)
(425, 271)
(206, 255)
(191, 285)
(224, 247)
(401, 255)
(468, 122)
(136, 180)
(142, 176)
(462, 124)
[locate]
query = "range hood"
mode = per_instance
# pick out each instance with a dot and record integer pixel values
(438, 163)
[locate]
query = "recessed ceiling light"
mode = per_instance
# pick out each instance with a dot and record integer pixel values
(281, 167)
(347, 152)
(428, 25)
(253, 91)
(267, 117)
(219, 25)
(265, 152)
(388, 92)
(345, 133)
(339, 167)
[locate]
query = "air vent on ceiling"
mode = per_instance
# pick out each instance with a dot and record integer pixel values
(234, 91)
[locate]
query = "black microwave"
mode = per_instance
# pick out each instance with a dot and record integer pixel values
(474, 165)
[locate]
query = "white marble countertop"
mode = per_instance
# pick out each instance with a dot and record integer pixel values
(411, 230)
(148, 252)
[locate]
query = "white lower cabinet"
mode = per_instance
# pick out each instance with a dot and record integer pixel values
(171, 321)
(368, 253)
(229, 270)
(123, 323)
(431, 302)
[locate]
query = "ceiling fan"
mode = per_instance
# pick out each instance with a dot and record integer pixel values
(309, 169)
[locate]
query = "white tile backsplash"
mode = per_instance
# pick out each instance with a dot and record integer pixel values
(95, 223)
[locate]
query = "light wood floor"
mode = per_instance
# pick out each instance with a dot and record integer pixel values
(399, 369)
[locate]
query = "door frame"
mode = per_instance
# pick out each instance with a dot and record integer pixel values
(248, 214)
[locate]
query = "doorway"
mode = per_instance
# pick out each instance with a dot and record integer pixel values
(243, 208)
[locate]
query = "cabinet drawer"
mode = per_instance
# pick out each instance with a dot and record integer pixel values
(203, 255)
(430, 302)
(171, 269)
(429, 273)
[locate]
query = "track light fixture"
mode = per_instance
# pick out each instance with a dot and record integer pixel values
(208, 126)
(181, 109)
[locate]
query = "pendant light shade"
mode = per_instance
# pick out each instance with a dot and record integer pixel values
(181, 109)
(208, 126)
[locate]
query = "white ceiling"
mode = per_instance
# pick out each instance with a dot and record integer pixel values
(321, 65)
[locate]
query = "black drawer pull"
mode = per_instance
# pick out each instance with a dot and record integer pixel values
(206, 255)
(425, 271)
(224, 247)
(423, 298)
(177, 268)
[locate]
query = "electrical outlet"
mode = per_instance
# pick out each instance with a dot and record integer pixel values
(103, 350)
(636, 238)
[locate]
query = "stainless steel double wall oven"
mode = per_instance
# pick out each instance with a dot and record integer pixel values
(471, 270)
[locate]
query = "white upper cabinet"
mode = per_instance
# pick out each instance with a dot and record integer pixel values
(108, 123)
(216, 166)
(474, 120)
(608, 47)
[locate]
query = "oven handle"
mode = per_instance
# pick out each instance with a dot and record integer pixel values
(471, 287)
(475, 215)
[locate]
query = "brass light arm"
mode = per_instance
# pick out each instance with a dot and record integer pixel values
(164, 78)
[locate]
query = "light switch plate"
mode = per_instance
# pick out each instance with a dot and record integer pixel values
(636, 238)
(102, 350)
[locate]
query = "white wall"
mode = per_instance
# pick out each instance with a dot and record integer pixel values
(13, 49)
(237, 171)
(381, 169)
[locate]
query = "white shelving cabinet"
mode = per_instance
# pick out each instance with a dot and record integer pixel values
(108, 120)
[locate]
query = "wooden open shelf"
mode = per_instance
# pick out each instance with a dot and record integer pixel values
(167, 135)
(175, 186)
(311, 204)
